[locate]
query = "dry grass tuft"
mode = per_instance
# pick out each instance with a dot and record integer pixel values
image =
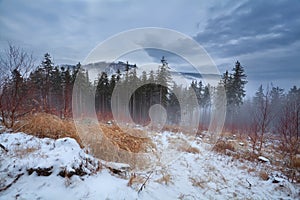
(135, 180)
(114, 144)
(221, 146)
(196, 182)
(132, 140)
(47, 125)
(296, 161)
(107, 142)
(192, 150)
(165, 179)
(251, 169)
(264, 175)
(172, 128)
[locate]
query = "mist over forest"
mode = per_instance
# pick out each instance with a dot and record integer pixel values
(149, 100)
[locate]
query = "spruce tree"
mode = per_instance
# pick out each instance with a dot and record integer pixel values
(237, 83)
(163, 81)
(46, 68)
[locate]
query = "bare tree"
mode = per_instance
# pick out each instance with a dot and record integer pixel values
(289, 129)
(253, 133)
(15, 65)
(261, 117)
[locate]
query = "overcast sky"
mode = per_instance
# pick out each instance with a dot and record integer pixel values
(262, 35)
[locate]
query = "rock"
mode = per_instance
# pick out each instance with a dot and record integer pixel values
(69, 173)
(121, 169)
(41, 171)
(275, 181)
(263, 159)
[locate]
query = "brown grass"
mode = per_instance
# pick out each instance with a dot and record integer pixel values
(264, 175)
(221, 146)
(251, 169)
(296, 161)
(192, 150)
(115, 144)
(135, 180)
(107, 142)
(132, 140)
(47, 125)
(196, 182)
(165, 179)
(172, 128)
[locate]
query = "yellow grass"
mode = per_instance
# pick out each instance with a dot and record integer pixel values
(221, 146)
(264, 175)
(46, 125)
(107, 142)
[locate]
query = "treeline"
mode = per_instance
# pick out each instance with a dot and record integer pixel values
(25, 88)
(48, 88)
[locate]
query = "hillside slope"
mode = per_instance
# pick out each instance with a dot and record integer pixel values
(34, 168)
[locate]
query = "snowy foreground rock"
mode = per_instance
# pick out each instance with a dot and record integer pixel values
(34, 168)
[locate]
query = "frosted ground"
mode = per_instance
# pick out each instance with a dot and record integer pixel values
(34, 168)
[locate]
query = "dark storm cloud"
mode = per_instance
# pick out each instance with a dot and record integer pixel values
(262, 35)
(252, 26)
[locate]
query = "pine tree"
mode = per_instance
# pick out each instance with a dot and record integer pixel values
(259, 96)
(229, 89)
(238, 82)
(174, 105)
(163, 81)
(56, 89)
(46, 68)
(67, 86)
(102, 93)
(133, 103)
(83, 88)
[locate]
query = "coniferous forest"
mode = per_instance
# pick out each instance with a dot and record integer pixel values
(26, 88)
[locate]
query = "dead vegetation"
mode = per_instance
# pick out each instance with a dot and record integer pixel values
(111, 143)
(197, 182)
(46, 125)
(165, 179)
(106, 141)
(132, 140)
(136, 180)
(264, 175)
(190, 149)
(221, 146)
(172, 128)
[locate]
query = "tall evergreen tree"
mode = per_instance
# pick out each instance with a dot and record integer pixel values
(238, 83)
(67, 86)
(163, 81)
(46, 68)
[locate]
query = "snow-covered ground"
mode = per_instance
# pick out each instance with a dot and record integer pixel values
(34, 168)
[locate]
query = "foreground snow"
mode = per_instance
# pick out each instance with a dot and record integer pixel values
(203, 175)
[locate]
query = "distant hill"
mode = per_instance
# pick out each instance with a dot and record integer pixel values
(110, 68)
